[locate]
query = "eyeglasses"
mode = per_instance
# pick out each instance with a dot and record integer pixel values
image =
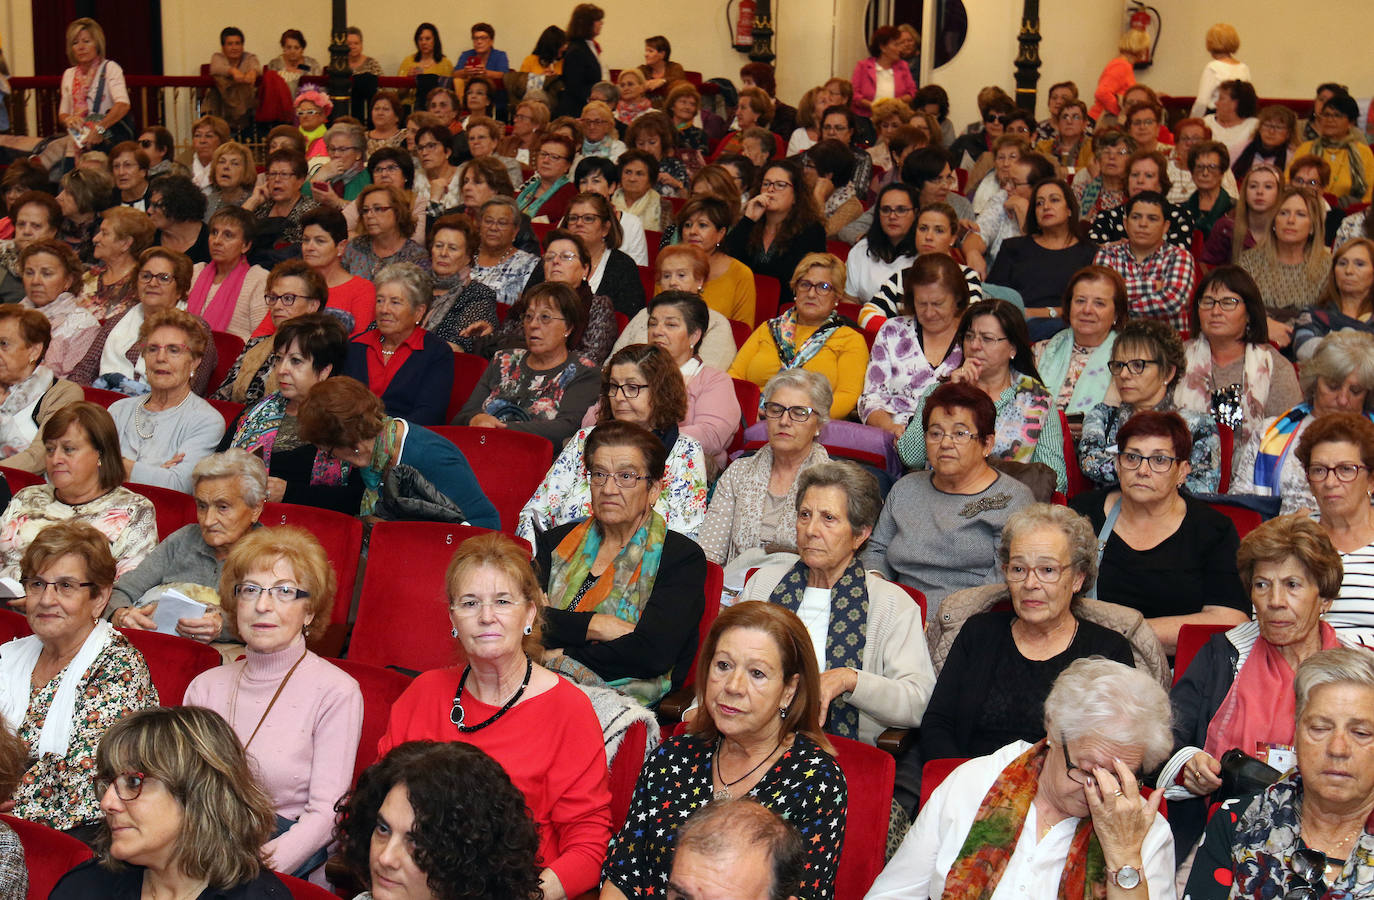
(159, 277)
(497, 223)
(629, 389)
(271, 175)
(429, 145)
(66, 588)
(625, 480)
(556, 157)
(386, 169)
(1345, 472)
(985, 339)
(1071, 117)
(895, 210)
(280, 593)
(1134, 366)
(1306, 182)
(993, 117)
(1158, 461)
(565, 256)
(1143, 123)
(1330, 114)
(820, 287)
(375, 210)
(1309, 875)
(1121, 152)
(286, 300)
(1207, 167)
(795, 413)
(541, 318)
(147, 145)
(1045, 574)
(960, 436)
(584, 219)
(127, 785)
(467, 607)
(175, 351)
(1226, 303)
(341, 148)
(776, 185)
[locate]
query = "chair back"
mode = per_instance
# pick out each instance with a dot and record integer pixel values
(380, 688)
(838, 248)
(1190, 641)
(102, 397)
(18, 479)
(767, 293)
(341, 536)
(175, 509)
(173, 661)
(1077, 481)
(49, 854)
(509, 465)
(228, 409)
(303, 890)
(870, 775)
(629, 759)
(13, 625)
(740, 331)
(1227, 437)
(227, 350)
(934, 772)
(467, 371)
(1244, 518)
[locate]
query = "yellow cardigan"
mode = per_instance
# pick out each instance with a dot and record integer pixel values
(843, 361)
(732, 294)
(1340, 170)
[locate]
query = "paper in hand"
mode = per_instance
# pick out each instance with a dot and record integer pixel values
(172, 607)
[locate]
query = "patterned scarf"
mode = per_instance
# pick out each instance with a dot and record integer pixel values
(1194, 390)
(784, 331)
(993, 836)
(845, 638)
(1275, 445)
(623, 595)
(535, 194)
(384, 451)
(1349, 145)
(1270, 832)
(9, 257)
(258, 432)
(16, 434)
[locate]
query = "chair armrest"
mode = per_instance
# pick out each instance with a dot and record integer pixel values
(673, 705)
(896, 740)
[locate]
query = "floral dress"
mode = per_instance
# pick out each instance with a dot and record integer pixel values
(126, 518)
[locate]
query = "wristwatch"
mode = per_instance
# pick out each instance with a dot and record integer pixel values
(1126, 877)
(99, 129)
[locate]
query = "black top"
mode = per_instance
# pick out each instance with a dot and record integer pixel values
(295, 466)
(11, 288)
(89, 881)
(1039, 274)
(620, 282)
(778, 262)
(989, 695)
(666, 635)
(581, 70)
(199, 252)
(1192, 568)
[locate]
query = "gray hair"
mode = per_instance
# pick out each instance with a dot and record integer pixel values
(354, 133)
(238, 464)
(1338, 356)
(607, 90)
(863, 502)
(1343, 665)
(813, 384)
(1075, 528)
(506, 203)
(412, 279)
(1112, 702)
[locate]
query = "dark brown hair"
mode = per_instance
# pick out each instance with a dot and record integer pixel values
(667, 391)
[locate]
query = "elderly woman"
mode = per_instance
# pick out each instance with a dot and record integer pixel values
(439, 190)
(1341, 145)
(539, 727)
(1074, 361)
(566, 260)
(641, 386)
(278, 204)
(937, 227)
(1247, 225)
(177, 210)
(293, 289)
(600, 137)
(1290, 267)
(163, 774)
(399, 827)
(1346, 301)
(1040, 264)
(1232, 372)
(308, 349)
(1338, 377)
(1292, 573)
(36, 217)
(52, 276)
(233, 177)
(636, 194)
(227, 292)
(346, 173)
(1070, 146)
(85, 483)
(528, 123)
(168, 430)
(1146, 170)
(968, 501)
(313, 109)
(73, 678)
(1208, 163)
(1163, 553)
(459, 301)
(758, 734)
(30, 393)
(388, 129)
(1146, 363)
(1106, 189)
(997, 360)
(828, 168)
(1104, 723)
(810, 335)
(111, 286)
(405, 365)
(780, 228)
(381, 237)
(86, 192)
(498, 263)
(546, 196)
(753, 507)
(346, 420)
(279, 586)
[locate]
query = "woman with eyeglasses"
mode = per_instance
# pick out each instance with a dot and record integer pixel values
(1208, 164)
(611, 272)
(278, 203)
(1341, 145)
(1231, 370)
(30, 394)
(810, 335)
(279, 586)
(1147, 361)
(936, 233)
(1275, 139)
(1070, 148)
(779, 227)
(640, 385)
(437, 188)
(545, 197)
(346, 172)
(383, 236)
(293, 289)
(1346, 301)
(1041, 263)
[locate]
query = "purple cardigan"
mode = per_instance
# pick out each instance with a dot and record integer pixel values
(865, 81)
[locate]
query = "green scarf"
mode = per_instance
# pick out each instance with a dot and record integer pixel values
(1349, 144)
(384, 452)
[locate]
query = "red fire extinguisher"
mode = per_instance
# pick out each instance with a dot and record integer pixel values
(1146, 19)
(744, 25)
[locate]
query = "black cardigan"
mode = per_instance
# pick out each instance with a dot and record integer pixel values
(620, 282)
(89, 881)
(419, 391)
(782, 262)
(667, 628)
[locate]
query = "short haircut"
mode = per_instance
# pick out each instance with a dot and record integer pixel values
(828, 261)
(1113, 703)
(250, 170)
(320, 337)
(100, 430)
(1243, 92)
(182, 201)
(1075, 528)
(592, 165)
(196, 331)
(91, 27)
(953, 395)
(1120, 298)
(638, 156)
(46, 202)
(563, 299)
(667, 390)
(1308, 161)
(654, 123)
(331, 221)
(65, 255)
(1222, 38)
(1134, 44)
(391, 98)
(661, 44)
(761, 74)
(133, 149)
(615, 236)
(500, 552)
(1338, 428)
(316, 288)
(216, 124)
(678, 91)
(1239, 282)
(74, 537)
(246, 222)
(295, 159)
(1339, 665)
(458, 222)
(614, 433)
(493, 128)
(1298, 537)
(1013, 324)
(413, 280)
(863, 502)
(182, 267)
(832, 158)
(400, 203)
(340, 412)
(1070, 86)
(228, 32)
(701, 263)
(484, 27)
(354, 133)
(1339, 355)
(133, 225)
(562, 234)
(34, 327)
(263, 548)
(757, 99)
(397, 155)
(1104, 138)
(1157, 339)
(932, 94)
(1151, 198)
(934, 268)
(815, 385)
(716, 211)
(696, 315)
(722, 828)
(1202, 148)
(1153, 423)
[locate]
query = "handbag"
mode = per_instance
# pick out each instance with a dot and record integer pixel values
(408, 496)
(1243, 774)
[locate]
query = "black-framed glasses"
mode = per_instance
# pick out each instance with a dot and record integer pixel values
(1158, 461)
(1309, 875)
(806, 286)
(1081, 776)
(128, 785)
(1000, 120)
(583, 219)
(1226, 303)
(280, 593)
(286, 300)
(159, 277)
(1345, 472)
(629, 390)
(66, 588)
(624, 480)
(795, 413)
(1134, 366)
(895, 210)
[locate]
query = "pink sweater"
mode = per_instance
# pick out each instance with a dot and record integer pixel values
(303, 754)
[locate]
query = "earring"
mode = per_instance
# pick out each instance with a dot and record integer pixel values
(782, 712)
(453, 631)
(529, 629)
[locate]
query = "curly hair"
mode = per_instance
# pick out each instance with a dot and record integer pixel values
(1155, 340)
(473, 834)
(667, 391)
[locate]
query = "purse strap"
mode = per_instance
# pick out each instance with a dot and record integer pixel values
(1103, 534)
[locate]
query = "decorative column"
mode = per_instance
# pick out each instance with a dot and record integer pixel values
(340, 76)
(1028, 56)
(763, 35)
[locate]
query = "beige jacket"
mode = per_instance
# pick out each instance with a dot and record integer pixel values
(32, 458)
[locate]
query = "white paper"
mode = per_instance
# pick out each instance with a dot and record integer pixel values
(9, 589)
(172, 607)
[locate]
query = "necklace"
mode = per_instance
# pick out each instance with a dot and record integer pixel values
(457, 715)
(724, 792)
(145, 419)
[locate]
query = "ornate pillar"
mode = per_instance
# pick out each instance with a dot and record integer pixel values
(1028, 56)
(340, 76)
(763, 35)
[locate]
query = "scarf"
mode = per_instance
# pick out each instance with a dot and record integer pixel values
(784, 331)
(18, 431)
(530, 199)
(1268, 834)
(996, 829)
(623, 595)
(447, 288)
(599, 148)
(626, 111)
(17, 661)
(313, 135)
(82, 79)
(1093, 382)
(844, 639)
(1349, 145)
(649, 208)
(258, 432)
(250, 363)
(1276, 443)
(1195, 392)
(385, 449)
(218, 312)
(1259, 707)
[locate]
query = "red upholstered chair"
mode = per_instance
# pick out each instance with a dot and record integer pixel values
(48, 854)
(13, 625)
(767, 292)
(838, 248)
(304, 890)
(646, 278)
(652, 240)
(1078, 482)
(932, 773)
(173, 661)
(1227, 437)
(175, 509)
(748, 395)
(870, 774)
(629, 759)
(228, 409)
(916, 595)
(342, 538)
(227, 349)
(102, 397)
(541, 230)
(675, 704)
(740, 331)
(1190, 641)
(1245, 519)
(509, 465)
(467, 371)
(18, 479)
(380, 688)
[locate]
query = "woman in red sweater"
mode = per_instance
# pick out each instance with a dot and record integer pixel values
(540, 728)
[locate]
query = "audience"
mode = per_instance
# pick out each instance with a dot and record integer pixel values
(1336, 453)
(1075, 363)
(30, 392)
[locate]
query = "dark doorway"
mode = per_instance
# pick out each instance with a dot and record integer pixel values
(133, 33)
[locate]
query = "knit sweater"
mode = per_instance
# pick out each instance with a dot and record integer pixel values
(192, 428)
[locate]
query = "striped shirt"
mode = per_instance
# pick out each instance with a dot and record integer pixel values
(1352, 612)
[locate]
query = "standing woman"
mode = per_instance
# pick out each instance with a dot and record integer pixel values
(110, 286)
(883, 74)
(581, 59)
(227, 292)
(1222, 43)
(52, 276)
(1293, 265)
(1119, 74)
(1074, 363)
(888, 248)
(95, 100)
(382, 238)
(779, 227)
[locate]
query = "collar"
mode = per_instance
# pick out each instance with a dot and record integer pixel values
(373, 338)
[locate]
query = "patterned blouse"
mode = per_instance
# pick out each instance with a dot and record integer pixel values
(805, 787)
(126, 518)
(507, 278)
(1097, 446)
(59, 792)
(898, 370)
(565, 496)
(359, 258)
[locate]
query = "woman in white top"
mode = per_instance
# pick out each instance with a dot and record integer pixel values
(1222, 42)
(1235, 120)
(890, 245)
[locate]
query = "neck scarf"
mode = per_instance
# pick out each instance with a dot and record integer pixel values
(844, 639)
(535, 194)
(997, 828)
(82, 78)
(623, 595)
(1260, 704)
(1270, 832)
(447, 288)
(218, 312)
(1349, 145)
(17, 662)
(784, 331)
(17, 432)
(1276, 443)
(316, 134)
(252, 360)
(258, 432)
(1193, 390)
(1093, 382)
(649, 208)
(385, 449)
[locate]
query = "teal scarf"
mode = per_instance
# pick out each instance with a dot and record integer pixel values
(1093, 382)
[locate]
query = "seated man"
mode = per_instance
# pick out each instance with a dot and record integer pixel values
(236, 73)
(736, 850)
(1158, 275)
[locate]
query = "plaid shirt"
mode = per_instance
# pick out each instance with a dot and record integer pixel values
(1157, 288)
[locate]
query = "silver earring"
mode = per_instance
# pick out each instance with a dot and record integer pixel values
(782, 712)
(453, 631)
(529, 629)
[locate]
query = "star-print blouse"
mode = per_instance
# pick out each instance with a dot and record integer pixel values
(805, 786)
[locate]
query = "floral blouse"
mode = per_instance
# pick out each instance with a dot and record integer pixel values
(1097, 446)
(126, 518)
(805, 787)
(73, 331)
(60, 792)
(565, 495)
(507, 278)
(898, 370)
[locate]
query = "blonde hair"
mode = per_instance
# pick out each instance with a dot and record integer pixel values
(1222, 39)
(1134, 43)
(264, 547)
(250, 171)
(500, 552)
(91, 27)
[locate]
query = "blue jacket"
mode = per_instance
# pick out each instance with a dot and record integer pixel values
(445, 466)
(420, 390)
